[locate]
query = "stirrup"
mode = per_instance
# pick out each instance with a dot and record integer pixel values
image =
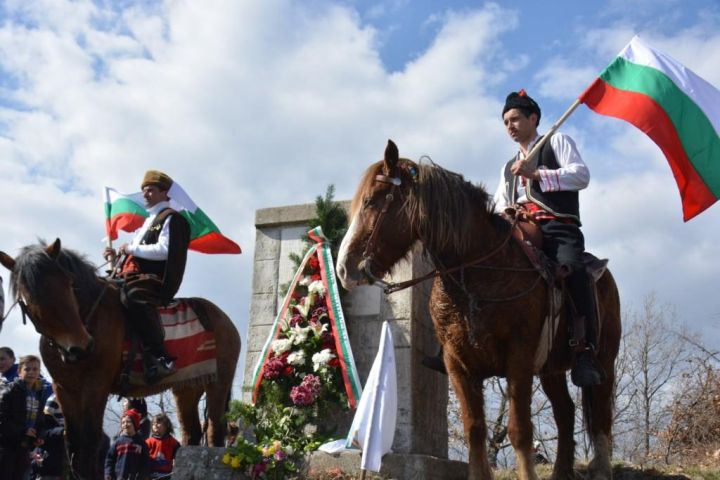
(434, 363)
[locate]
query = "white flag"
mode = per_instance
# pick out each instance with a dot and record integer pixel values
(373, 427)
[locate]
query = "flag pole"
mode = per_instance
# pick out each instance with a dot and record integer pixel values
(363, 472)
(531, 157)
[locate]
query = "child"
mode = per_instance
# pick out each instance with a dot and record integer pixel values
(162, 446)
(140, 406)
(128, 457)
(20, 414)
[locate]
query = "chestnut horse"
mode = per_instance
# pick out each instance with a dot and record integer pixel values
(488, 315)
(82, 326)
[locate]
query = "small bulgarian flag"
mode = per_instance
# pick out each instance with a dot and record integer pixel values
(677, 109)
(127, 212)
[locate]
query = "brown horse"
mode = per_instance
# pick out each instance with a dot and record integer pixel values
(489, 315)
(82, 326)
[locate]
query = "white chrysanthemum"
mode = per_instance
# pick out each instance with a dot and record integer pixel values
(297, 358)
(281, 345)
(317, 287)
(321, 359)
(305, 281)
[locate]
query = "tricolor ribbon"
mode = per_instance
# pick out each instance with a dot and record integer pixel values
(347, 367)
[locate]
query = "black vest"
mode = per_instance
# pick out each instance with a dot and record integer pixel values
(151, 237)
(561, 204)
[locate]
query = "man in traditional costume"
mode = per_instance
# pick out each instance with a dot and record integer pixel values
(153, 269)
(546, 191)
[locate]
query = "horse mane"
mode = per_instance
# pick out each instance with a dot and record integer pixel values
(33, 263)
(441, 208)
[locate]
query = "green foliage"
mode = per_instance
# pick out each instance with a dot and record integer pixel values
(331, 216)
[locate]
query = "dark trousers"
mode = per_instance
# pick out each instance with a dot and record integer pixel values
(141, 297)
(565, 244)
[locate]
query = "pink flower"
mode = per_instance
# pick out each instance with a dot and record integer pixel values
(275, 367)
(302, 396)
(259, 469)
(296, 319)
(319, 312)
(313, 383)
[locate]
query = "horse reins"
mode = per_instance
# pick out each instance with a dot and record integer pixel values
(370, 246)
(393, 287)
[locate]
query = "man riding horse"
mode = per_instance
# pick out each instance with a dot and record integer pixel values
(153, 267)
(546, 192)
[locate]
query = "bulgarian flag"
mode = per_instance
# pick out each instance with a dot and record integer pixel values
(127, 212)
(677, 109)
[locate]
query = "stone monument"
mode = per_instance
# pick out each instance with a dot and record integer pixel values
(422, 427)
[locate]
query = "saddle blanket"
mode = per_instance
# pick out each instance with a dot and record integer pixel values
(187, 341)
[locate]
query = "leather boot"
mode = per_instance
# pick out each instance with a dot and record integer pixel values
(585, 371)
(158, 365)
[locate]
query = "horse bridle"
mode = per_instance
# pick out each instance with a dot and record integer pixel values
(368, 253)
(25, 311)
(392, 287)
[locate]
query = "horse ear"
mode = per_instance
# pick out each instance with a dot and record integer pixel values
(54, 250)
(391, 157)
(7, 261)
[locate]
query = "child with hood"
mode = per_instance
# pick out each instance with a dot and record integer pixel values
(128, 457)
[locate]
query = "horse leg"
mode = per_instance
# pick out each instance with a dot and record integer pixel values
(83, 414)
(555, 387)
(520, 428)
(217, 405)
(187, 400)
(472, 408)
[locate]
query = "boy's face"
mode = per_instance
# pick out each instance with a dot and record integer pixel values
(30, 372)
(127, 426)
(159, 428)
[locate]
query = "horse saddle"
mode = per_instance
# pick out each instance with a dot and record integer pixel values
(529, 236)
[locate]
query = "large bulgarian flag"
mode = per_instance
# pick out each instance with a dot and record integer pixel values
(677, 109)
(127, 212)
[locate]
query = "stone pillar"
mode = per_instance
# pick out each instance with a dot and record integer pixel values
(422, 394)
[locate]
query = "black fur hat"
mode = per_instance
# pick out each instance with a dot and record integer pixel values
(522, 101)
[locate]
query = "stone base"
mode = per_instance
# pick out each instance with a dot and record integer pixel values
(395, 466)
(202, 463)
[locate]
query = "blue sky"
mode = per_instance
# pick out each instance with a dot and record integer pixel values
(264, 103)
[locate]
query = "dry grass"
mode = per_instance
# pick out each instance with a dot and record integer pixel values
(621, 471)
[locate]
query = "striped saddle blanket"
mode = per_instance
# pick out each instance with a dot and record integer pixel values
(187, 340)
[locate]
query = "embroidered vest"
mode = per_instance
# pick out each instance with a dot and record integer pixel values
(151, 237)
(561, 204)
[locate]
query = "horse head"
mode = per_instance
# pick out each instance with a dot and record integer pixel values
(43, 283)
(380, 233)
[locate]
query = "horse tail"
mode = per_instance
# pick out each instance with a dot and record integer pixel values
(587, 409)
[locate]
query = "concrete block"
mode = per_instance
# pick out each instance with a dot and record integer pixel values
(265, 277)
(263, 309)
(267, 244)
